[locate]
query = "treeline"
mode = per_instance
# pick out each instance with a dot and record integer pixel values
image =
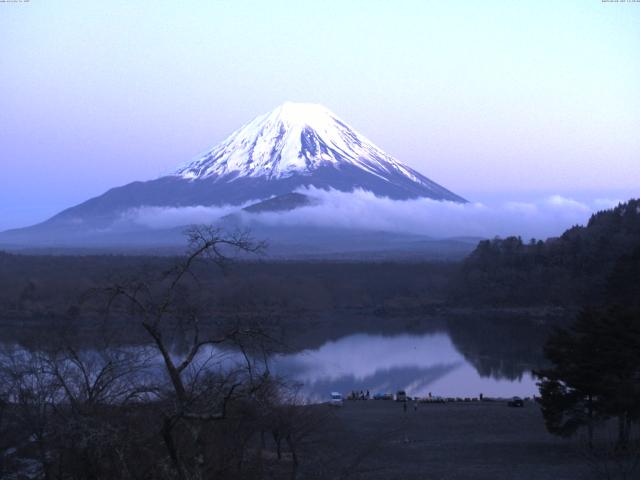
(47, 289)
(593, 264)
(48, 284)
(586, 265)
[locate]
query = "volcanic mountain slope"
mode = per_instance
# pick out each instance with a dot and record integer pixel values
(295, 145)
(312, 146)
(262, 163)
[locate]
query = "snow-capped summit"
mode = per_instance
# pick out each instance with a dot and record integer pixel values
(300, 139)
(293, 138)
(263, 164)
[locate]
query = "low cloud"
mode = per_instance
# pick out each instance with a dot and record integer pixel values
(546, 217)
(168, 217)
(549, 216)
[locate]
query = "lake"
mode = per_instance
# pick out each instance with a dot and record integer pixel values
(418, 363)
(457, 360)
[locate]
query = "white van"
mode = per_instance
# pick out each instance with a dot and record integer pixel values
(336, 399)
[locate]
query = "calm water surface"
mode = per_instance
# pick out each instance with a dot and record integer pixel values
(419, 364)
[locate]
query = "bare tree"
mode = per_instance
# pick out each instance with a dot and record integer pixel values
(199, 394)
(68, 407)
(193, 402)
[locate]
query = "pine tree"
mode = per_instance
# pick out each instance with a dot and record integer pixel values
(595, 374)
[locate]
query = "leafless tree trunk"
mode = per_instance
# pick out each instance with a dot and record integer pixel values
(194, 403)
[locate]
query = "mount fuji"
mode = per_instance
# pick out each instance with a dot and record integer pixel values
(259, 167)
(301, 144)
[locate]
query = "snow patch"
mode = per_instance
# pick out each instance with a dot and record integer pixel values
(293, 138)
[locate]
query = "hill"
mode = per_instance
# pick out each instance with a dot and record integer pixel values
(585, 265)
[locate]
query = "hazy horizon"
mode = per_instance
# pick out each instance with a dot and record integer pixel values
(495, 101)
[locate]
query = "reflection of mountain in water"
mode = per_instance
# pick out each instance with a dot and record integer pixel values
(460, 357)
(417, 363)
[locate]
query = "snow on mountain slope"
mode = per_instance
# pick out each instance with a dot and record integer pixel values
(292, 148)
(295, 138)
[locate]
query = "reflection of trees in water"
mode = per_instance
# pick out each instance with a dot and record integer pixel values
(501, 348)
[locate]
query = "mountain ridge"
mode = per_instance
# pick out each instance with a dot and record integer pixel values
(293, 147)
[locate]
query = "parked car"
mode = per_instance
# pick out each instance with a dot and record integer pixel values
(434, 399)
(382, 396)
(401, 396)
(515, 402)
(336, 399)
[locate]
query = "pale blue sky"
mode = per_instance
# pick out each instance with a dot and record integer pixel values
(488, 98)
